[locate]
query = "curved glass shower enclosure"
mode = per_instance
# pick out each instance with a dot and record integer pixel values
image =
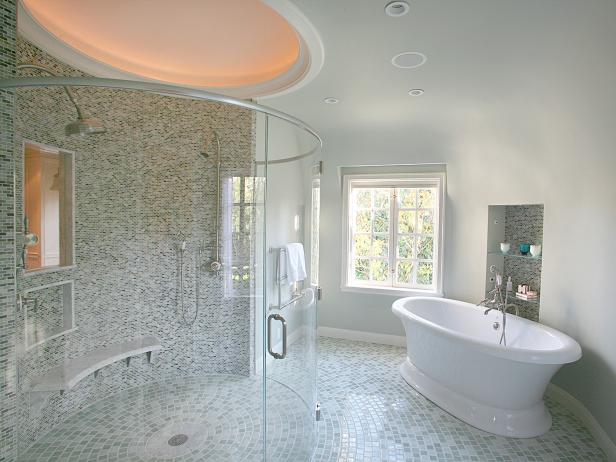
(163, 310)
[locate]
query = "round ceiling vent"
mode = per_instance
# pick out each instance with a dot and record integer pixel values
(397, 9)
(409, 60)
(416, 92)
(331, 100)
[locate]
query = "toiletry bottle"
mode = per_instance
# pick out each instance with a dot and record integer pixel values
(509, 284)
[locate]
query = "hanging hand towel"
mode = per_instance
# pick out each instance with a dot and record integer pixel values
(296, 265)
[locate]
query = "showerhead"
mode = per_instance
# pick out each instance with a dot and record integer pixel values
(204, 152)
(84, 126)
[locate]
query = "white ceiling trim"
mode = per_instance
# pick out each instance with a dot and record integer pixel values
(311, 42)
(306, 68)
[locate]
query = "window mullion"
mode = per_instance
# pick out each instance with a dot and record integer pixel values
(415, 241)
(350, 247)
(393, 234)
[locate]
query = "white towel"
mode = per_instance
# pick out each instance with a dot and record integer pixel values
(296, 265)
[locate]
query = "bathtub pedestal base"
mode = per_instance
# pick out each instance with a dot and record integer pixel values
(516, 423)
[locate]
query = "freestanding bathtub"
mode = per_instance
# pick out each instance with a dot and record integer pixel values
(454, 359)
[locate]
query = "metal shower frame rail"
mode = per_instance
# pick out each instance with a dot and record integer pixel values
(158, 88)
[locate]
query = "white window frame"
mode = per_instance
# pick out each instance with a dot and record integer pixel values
(429, 179)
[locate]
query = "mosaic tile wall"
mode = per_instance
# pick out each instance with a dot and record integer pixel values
(524, 223)
(7, 245)
(137, 187)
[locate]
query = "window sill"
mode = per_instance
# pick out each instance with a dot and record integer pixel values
(397, 292)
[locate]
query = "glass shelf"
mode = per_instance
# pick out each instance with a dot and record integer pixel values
(514, 255)
(514, 300)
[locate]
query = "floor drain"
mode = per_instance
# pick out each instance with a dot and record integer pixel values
(178, 440)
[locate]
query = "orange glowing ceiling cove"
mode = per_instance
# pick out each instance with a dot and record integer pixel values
(202, 43)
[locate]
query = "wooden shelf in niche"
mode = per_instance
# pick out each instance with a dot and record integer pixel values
(66, 376)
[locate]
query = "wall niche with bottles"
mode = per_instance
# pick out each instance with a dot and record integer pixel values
(515, 247)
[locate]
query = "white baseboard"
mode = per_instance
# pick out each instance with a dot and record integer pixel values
(371, 337)
(581, 412)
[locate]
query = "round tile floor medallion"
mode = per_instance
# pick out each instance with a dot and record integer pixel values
(211, 418)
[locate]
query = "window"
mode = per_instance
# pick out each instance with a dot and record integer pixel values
(243, 218)
(393, 232)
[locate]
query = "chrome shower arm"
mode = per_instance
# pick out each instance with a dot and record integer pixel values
(69, 92)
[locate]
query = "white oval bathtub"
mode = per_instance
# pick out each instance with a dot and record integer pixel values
(455, 360)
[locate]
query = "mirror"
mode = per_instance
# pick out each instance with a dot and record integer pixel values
(48, 208)
(48, 312)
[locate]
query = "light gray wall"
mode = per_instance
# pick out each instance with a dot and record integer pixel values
(519, 103)
(552, 145)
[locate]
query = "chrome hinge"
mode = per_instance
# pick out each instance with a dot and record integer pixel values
(318, 411)
(317, 168)
(319, 293)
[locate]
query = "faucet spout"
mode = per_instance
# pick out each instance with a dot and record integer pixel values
(498, 301)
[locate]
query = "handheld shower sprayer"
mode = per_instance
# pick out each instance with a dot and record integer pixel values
(180, 248)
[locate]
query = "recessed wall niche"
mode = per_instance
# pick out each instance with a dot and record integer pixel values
(48, 312)
(48, 198)
(515, 245)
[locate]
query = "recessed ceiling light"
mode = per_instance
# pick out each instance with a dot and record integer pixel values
(331, 100)
(397, 9)
(416, 92)
(409, 59)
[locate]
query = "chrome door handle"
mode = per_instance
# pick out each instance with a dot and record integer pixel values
(277, 317)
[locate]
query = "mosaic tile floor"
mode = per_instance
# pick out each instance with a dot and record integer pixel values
(369, 414)
(213, 418)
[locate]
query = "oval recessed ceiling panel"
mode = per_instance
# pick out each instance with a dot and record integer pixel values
(240, 47)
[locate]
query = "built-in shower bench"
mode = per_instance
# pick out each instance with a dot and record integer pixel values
(73, 371)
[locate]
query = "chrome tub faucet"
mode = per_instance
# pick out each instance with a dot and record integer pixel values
(496, 301)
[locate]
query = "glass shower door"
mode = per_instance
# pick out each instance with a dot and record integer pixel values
(290, 308)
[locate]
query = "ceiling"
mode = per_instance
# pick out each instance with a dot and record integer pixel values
(481, 54)
(242, 48)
